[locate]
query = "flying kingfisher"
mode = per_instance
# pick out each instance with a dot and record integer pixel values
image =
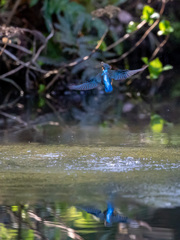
(106, 78)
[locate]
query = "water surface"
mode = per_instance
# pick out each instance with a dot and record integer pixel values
(137, 171)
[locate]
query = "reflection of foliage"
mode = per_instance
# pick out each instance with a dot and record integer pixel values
(7, 234)
(157, 123)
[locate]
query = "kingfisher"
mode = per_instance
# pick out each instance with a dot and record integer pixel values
(109, 216)
(106, 78)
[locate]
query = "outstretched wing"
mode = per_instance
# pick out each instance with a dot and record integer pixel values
(84, 86)
(123, 74)
(94, 211)
(119, 219)
(94, 83)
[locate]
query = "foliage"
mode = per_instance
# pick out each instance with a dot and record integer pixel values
(149, 14)
(76, 31)
(165, 28)
(132, 26)
(7, 234)
(157, 123)
(155, 67)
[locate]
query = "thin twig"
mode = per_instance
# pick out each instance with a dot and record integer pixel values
(70, 231)
(23, 49)
(17, 119)
(159, 47)
(13, 12)
(27, 64)
(43, 46)
(14, 84)
(142, 38)
(10, 104)
(11, 72)
(126, 36)
(2, 49)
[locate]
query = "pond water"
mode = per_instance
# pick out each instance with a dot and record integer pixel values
(47, 184)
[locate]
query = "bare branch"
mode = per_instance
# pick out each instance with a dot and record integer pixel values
(70, 231)
(11, 72)
(142, 38)
(126, 36)
(73, 63)
(159, 47)
(23, 49)
(13, 12)
(18, 119)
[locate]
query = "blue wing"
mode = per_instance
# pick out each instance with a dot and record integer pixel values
(119, 219)
(94, 83)
(123, 74)
(94, 211)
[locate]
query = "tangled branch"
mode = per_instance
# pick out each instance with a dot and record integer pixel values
(142, 38)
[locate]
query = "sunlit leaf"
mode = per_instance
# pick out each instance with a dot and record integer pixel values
(165, 28)
(167, 67)
(132, 26)
(145, 60)
(147, 13)
(155, 68)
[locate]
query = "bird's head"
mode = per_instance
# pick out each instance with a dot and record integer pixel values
(105, 66)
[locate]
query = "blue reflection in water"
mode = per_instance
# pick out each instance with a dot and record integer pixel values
(109, 216)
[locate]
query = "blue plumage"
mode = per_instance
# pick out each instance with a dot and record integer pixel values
(106, 78)
(109, 216)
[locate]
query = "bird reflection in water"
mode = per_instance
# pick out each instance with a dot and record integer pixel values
(111, 216)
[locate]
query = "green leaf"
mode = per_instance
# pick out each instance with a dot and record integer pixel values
(147, 13)
(145, 60)
(167, 67)
(132, 26)
(155, 68)
(165, 28)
